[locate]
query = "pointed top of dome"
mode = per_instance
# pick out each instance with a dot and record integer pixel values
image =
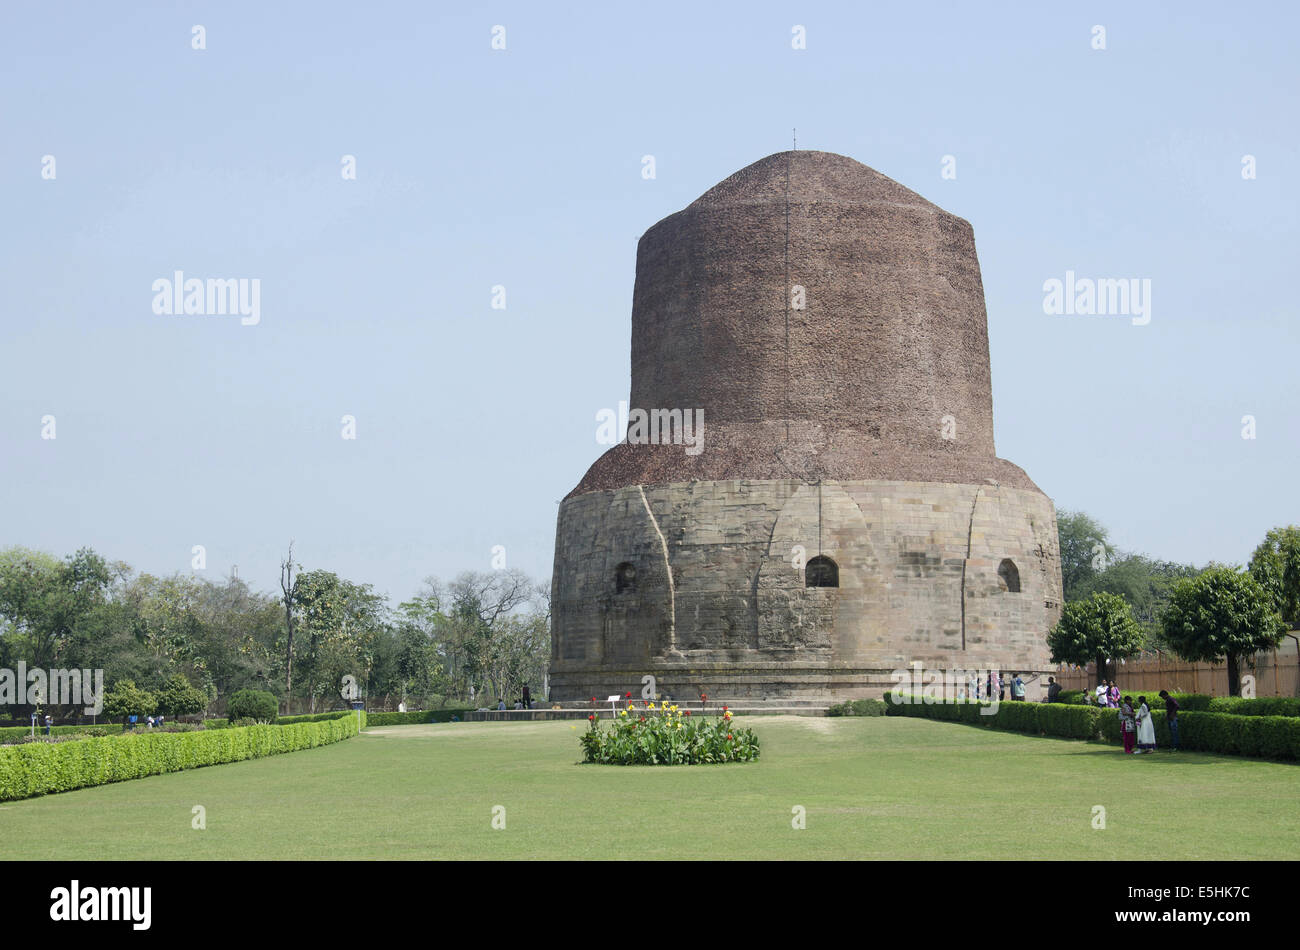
(806, 175)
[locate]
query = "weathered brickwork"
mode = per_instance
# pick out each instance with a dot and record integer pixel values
(736, 619)
(830, 325)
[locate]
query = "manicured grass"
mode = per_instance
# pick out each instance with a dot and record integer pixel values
(872, 788)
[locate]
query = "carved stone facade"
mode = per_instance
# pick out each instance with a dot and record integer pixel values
(847, 515)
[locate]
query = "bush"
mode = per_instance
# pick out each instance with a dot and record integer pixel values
(12, 733)
(1274, 737)
(126, 699)
(1200, 702)
(859, 707)
(252, 704)
(40, 768)
(664, 736)
(179, 698)
(1261, 706)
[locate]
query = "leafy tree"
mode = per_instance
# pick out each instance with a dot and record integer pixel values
(1085, 550)
(1145, 583)
(1276, 565)
(179, 697)
(42, 600)
(1222, 614)
(253, 704)
(125, 699)
(1094, 630)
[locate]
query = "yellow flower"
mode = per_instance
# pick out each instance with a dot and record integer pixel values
(649, 705)
(623, 713)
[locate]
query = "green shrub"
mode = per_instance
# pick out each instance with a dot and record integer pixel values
(1070, 722)
(40, 768)
(1201, 702)
(179, 698)
(858, 707)
(1260, 706)
(10, 733)
(252, 704)
(1274, 737)
(126, 699)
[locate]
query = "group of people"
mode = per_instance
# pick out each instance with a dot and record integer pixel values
(1139, 730)
(525, 700)
(995, 685)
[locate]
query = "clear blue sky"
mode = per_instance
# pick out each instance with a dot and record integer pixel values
(522, 167)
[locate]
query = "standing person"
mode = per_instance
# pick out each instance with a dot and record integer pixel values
(1112, 696)
(1171, 717)
(1146, 734)
(1053, 689)
(1102, 692)
(1127, 725)
(49, 722)
(995, 685)
(1018, 689)
(528, 698)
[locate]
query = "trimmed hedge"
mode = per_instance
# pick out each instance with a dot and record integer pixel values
(859, 707)
(42, 768)
(287, 720)
(14, 732)
(1201, 702)
(415, 718)
(1272, 737)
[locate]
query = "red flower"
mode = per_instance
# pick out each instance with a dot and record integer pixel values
(591, 716)
(593, 699)
(724, 708)
(703, 696)
(728, 735)
(643, 718)
(627, 695)
(688, 712)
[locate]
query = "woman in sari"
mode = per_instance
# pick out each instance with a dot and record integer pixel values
(1113, 696)
(1127, 726)
(1146, 730)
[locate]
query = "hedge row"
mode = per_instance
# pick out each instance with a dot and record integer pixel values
(859, 707)
(41, 768)
(1053, 719)
(415, 718)
(14, 732)
(1201, 702)
(1273, 737)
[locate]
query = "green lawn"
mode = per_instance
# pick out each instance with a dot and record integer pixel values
(872, 788)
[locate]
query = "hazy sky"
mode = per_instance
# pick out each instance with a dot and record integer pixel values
(522, 167)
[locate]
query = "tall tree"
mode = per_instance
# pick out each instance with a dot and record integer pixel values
(1085, 550)
(1095, 630)
(1276, 565)
(287, 586)
(1224, 614)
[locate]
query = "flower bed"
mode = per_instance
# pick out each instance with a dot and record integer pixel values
(665, 735)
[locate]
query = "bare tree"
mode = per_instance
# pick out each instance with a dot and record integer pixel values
(286, 585)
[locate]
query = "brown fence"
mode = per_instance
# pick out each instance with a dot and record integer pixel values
(1275, 671)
